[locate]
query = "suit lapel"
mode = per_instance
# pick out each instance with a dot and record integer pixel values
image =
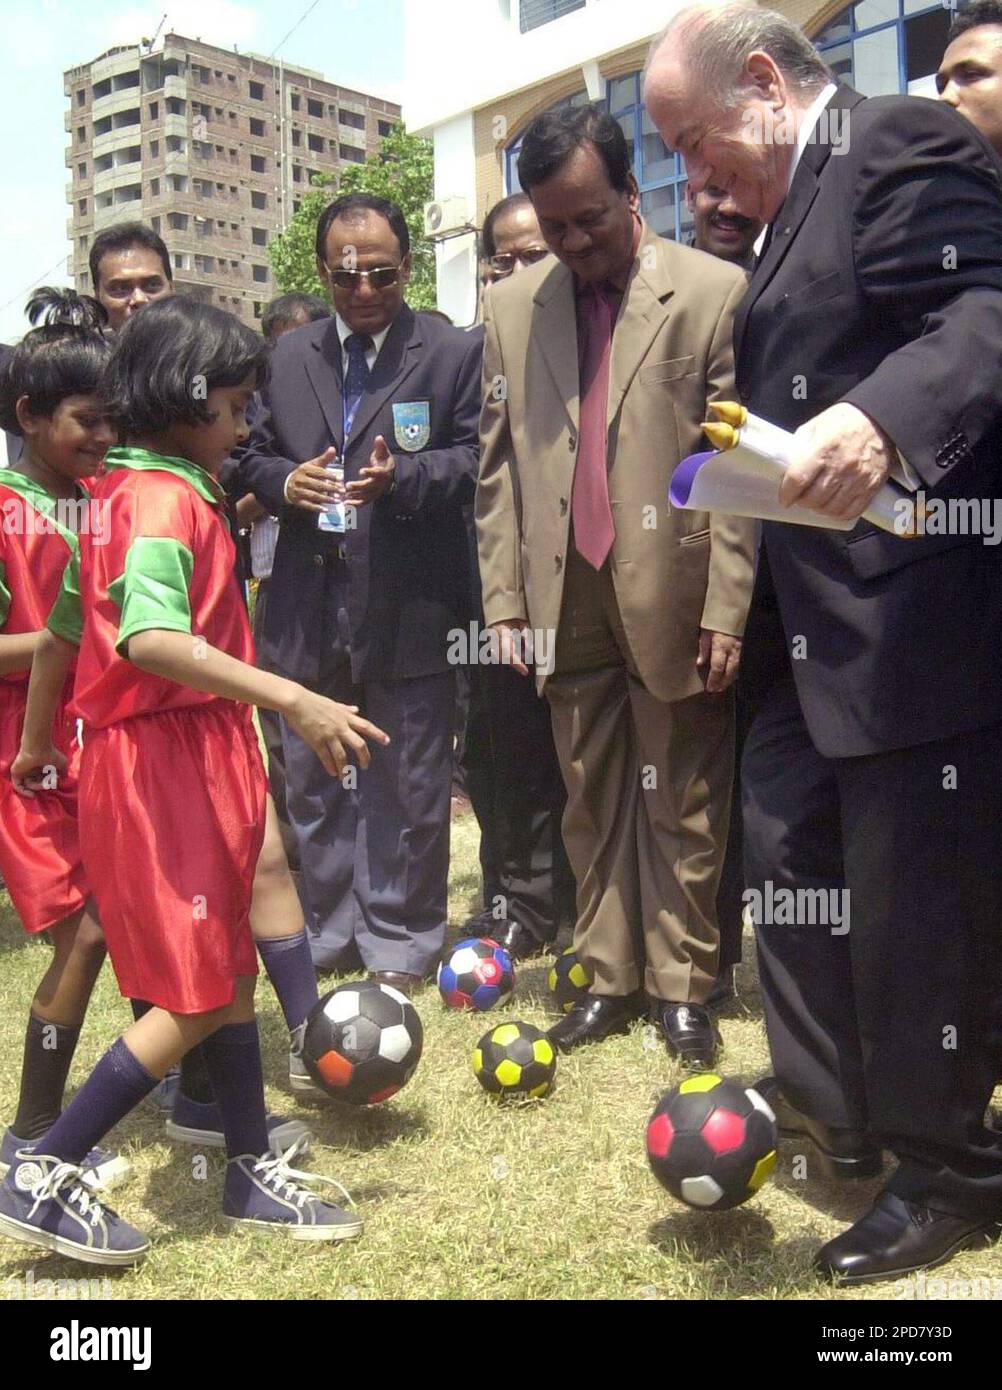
(400, 354)
(790, 217)
(323, 367)
(641, 314)
(554, 328)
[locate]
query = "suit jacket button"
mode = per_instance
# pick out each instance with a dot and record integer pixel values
(572, 441)
(563, 506)
(318, 560)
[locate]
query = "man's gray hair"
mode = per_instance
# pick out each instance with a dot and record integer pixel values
(714, 40)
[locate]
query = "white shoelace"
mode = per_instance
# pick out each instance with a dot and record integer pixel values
(278, 1174)
(81, 1193)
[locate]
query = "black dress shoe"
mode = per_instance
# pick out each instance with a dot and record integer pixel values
(844, 1153)
(689, 1033)
(592, 1018)
(898, 1237)
(519, 941)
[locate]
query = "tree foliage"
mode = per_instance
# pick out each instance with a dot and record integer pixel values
(402, 171)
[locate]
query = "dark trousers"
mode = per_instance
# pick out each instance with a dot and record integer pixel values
(271, 730)
(894, 1025)
(374, 846)
(513, 779)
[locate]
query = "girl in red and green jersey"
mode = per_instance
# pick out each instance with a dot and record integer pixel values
(172, 786)
(49, 397)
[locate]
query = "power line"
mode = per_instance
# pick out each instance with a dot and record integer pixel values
(44, 276)
(306, 13)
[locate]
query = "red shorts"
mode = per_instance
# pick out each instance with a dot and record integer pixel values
(172, 827)
(39, 842)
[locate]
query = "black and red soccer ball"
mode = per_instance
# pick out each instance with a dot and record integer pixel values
(712, 1142)
(362, 1042)
(477, 974)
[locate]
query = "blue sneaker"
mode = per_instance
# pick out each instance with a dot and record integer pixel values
(164, 1093)
(44, 1201)
(266, 1194)
(104, 1168)
(194, 1123)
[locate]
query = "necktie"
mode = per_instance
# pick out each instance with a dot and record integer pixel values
(356, 378)
(594, 531)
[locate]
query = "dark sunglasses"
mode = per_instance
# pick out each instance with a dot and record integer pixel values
(504, 262)
(381, 278)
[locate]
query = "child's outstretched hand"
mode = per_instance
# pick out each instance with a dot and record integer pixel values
(37, 772)
(333, 730)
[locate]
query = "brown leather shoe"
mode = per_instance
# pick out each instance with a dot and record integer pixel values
(396, 979)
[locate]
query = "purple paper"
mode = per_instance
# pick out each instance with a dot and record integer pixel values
(684, 477)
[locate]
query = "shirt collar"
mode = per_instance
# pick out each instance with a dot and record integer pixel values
(344, 333)
(142, 459)
(43, 501)
(804, 136)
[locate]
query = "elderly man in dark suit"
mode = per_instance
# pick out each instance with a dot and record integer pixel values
(873, 327)
(366, 445)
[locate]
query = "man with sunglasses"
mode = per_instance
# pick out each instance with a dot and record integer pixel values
(365, 445)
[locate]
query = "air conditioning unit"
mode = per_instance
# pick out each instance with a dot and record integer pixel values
(445, 217)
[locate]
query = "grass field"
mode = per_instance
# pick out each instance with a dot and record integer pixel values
(463, 1198)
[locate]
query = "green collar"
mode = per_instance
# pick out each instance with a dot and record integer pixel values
(43, 501)
(204, 484)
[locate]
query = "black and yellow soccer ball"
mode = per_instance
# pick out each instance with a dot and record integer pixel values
(515, 1059)
(568, 980)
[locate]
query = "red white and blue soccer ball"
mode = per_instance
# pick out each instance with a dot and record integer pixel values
(476, 975)
(362, 1042)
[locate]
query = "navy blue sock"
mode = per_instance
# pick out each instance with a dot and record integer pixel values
(233, 1060)
(290, 969)
(116, 1085)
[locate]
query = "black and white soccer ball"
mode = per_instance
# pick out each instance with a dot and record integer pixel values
(362, 1042)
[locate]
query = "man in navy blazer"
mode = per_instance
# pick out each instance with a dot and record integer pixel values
(872, 327)
(365, 445)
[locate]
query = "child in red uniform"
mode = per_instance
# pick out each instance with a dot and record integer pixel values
(48, 396)
(172, 784)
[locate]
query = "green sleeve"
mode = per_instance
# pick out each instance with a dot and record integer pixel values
(4, 594)
(153, 591)
(66, 618)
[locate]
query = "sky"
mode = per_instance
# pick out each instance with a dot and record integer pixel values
(357, 43)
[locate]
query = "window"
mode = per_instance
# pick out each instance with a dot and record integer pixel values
(260, 274)
(533, 13)
(155, 224)
(256, 126)
(257, 164)
(84, 278)
(297, 173)
(294, 101)
(886, 46)
(82, 133)
(81, 206)
(385, 127)
(352, 153)
(259, 236)
(256, 90)
(154, 149)
(175, 144)
(154, 188)
(81, 97)
(82, 170)
(154, 110)
(315, 142)
(176, 107)
(259, 200)
(297, 138)
(258, 308)
(353, 119)
(314, 108)
(177, 221)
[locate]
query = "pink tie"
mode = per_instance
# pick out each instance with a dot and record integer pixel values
(594, 531)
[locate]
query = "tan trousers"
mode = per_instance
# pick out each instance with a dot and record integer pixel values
(648, 799)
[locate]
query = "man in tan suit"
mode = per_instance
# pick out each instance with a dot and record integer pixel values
(598, 368)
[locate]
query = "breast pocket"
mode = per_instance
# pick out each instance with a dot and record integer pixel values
(676, 367)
